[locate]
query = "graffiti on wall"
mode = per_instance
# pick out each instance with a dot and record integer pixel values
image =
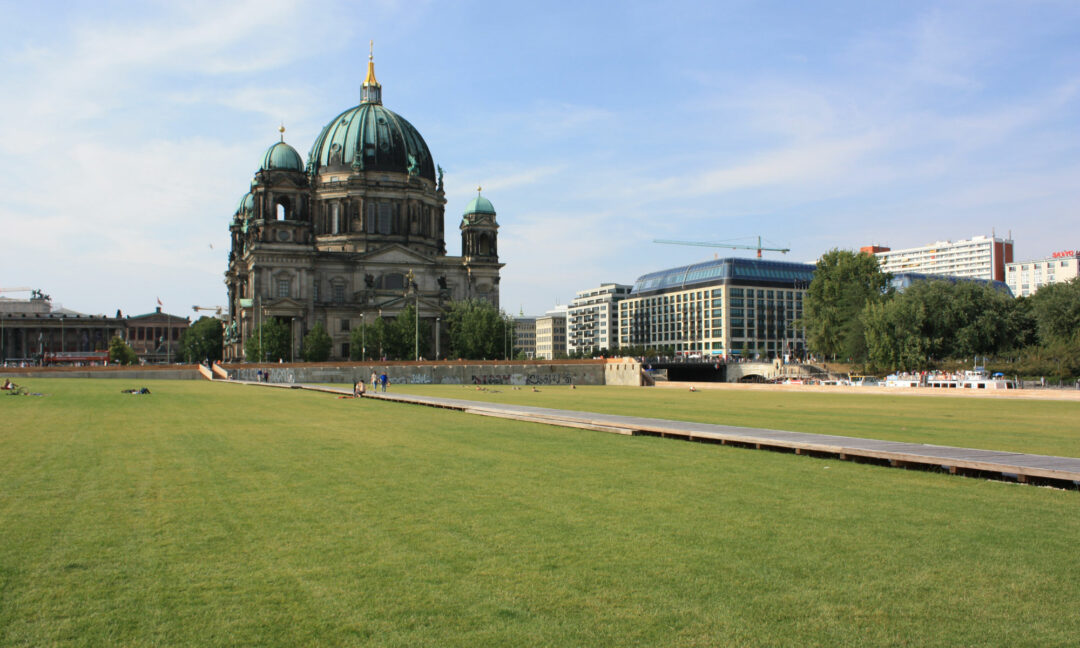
(282, 375)
(522, 379)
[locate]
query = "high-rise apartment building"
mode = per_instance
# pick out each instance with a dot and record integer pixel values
(1026, 277)
(980, 257)
(551, 334)
(592, 318)
(525, 337)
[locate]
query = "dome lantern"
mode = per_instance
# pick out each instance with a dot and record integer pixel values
(371, 91)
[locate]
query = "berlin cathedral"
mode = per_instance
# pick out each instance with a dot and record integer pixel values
(353, 235)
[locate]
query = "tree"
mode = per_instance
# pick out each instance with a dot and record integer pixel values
(268, 343)
(477, 330)
(202, 341)
(1056, 310)
(393, 339)
(844, 283)
(121, 353)
(936, 320)
(317, 344)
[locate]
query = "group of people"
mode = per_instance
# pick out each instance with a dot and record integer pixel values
(359, 389)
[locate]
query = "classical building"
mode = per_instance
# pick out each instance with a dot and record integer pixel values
(593, 317)
(155, 337)
(722, 307)
(354, 234)
(551, 334)
(34, 331)
(1026, 277)
(980, 257)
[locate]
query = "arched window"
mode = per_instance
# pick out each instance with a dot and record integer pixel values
(282, 208)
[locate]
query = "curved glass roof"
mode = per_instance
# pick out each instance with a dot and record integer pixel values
(729, 270)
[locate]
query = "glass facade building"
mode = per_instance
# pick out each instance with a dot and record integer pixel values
(724, 307)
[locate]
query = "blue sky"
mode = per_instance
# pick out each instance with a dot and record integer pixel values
(129, 131)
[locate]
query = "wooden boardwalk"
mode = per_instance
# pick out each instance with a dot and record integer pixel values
(1058, 471)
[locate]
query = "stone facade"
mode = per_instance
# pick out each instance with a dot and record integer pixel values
(355, 234)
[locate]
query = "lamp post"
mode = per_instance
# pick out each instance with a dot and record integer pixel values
(416, 334)
(363, 335)
(437, 339)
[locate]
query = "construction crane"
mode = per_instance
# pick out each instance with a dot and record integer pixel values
(723, 244)
(218, 311)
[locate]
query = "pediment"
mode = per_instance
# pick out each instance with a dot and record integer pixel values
(395, 254)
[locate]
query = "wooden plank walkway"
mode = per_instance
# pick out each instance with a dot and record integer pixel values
(1060, 471)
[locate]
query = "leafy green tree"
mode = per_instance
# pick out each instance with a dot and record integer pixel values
(477, 330)
(844, 283)
(202, 340)
(121, 353)
(394, 339)
(938, 320)
(317, 344)
(1056, 310)
(272, 345)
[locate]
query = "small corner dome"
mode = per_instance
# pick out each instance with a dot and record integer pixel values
(246, 206)
(281, 157)
(479, 205)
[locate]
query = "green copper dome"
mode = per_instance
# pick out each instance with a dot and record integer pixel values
(479, 205)
(369, 137)
(246, 206)
(281, 157)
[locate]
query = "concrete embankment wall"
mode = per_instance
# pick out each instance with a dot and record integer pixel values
(169, 372)
(622, 371)
(568, 372)
(589, 372)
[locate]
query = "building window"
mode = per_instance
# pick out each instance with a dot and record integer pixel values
(339, 293)
(283, 288)
(344, 325)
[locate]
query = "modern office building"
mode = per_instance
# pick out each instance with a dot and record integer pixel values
(354, 234)
(724, 307)
(901, 281)
(1026, 277)
(592, 318)
(525, 337)
(980, 257)
(551, 334)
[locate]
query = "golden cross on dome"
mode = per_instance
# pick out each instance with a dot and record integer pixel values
(282, 131)
(477, 190)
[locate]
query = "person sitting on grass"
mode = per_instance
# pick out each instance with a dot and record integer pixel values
(358, 389)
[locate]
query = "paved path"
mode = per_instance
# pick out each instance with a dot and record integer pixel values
(1063, 471)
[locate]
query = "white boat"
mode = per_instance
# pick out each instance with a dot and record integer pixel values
(894, 380)
(980, 379)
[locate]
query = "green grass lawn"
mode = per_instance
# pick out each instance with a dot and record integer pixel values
(211, 514)
(1016, 425)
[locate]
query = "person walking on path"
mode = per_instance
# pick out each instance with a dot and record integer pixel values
(374, 382)
(384, 381)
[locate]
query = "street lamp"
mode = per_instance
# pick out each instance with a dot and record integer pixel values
(436, 339)
(416, 293)
(363, 335)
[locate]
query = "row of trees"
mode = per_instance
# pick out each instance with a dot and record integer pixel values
(474, 329)
(851, 314)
